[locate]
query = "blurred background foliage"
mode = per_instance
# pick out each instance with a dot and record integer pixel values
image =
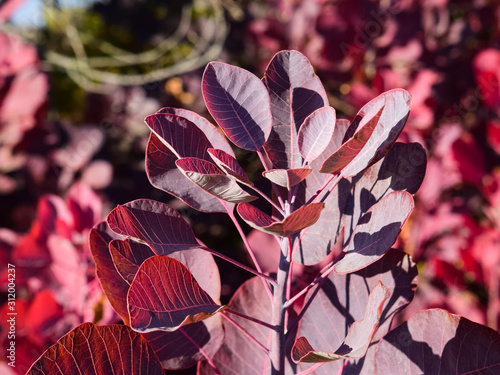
(77, 79)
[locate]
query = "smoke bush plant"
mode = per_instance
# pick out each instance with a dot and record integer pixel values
(335, 184)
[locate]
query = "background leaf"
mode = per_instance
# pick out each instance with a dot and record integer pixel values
(239, 103)
(107, 350)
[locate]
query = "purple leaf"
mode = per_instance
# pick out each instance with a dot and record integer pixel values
(211, 179)
(396, 108)
(376, 232)
(112, 282)
(229, 165)
(302, 218)
(350, 149)
(402, 169)
(358, 337)
(165, 296)
(90, 349)
(239, 355)
(287, 177)
(128, 256)
(326, 324)
(316, 132)
(178, 133)
(155, 223)
(239, 103)
(295, 92)
(437, 342)
(213, 134)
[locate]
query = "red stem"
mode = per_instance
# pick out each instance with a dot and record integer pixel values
(209, 361)
(251, 319)
(250, 337)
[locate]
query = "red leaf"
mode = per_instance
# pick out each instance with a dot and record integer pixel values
(350, 149)
(112, 283)
(316, 132)
(395, 105)
(164, 174)
(211, 179)
(302, 218)
(128, 256)
(165, 296)
(358, 337)
(287, 177)
(108, 350)
(376, 231)
(239, 103)
(229, 165)
(155, 223)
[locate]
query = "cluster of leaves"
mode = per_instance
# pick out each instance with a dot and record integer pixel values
(56, 288)
(445, 53)
(340, 193)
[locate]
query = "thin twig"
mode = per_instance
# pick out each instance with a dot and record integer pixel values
(244, 331)
(251, 319)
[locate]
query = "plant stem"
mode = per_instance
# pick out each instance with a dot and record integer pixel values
(261, 157)
(277, 352)
(209, 361)
(278, 208)
(244, 331)
(247, 245)
(242, 266)
(255, 320)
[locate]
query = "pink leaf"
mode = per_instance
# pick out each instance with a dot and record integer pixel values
(316, 132)
(358, 337)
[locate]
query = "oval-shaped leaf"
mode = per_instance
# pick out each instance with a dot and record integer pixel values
(396, 108)
(214, 136)
(376, 232)
(165, 296)
(211, 179)
(128, 256)
(179, 133)
(315, 133)
(239, 103)
(295, 92)
(229, 165)
(287, 177)
(302, 218)
(358, 337)
(155, 223)
(348, 151)
(437, 342)
(326, 324)
(113, 284)
(107, 350)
